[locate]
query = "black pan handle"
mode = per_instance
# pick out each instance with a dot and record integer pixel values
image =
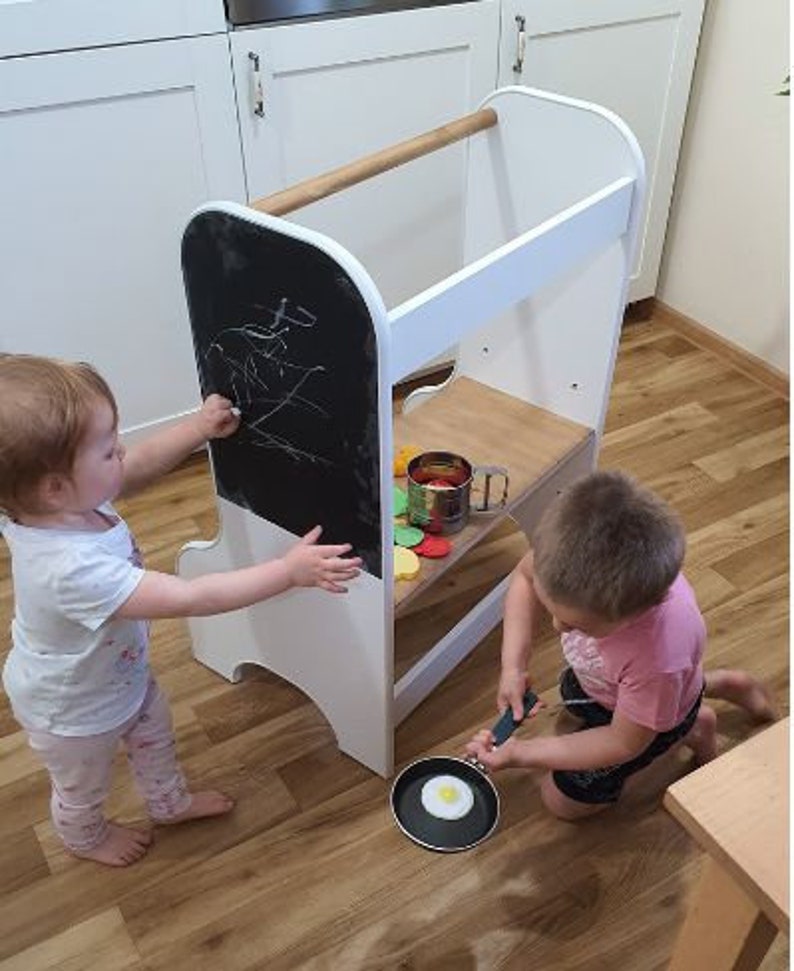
(506, 725)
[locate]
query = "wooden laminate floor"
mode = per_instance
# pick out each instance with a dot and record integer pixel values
(309, 872)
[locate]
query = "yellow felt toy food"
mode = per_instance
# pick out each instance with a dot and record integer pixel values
(406, 564)
(403, 456)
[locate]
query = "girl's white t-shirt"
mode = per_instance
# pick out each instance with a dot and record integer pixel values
(72, 669)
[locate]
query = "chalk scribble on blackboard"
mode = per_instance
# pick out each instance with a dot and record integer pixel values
(281, 329)
(261, 378)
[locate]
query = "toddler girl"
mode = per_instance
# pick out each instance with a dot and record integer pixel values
(78, 674)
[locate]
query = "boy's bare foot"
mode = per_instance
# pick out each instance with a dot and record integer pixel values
(742, 689)
(702, 737)
(208, 803)
(121, 847)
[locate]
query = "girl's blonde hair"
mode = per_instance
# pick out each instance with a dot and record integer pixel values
(608, 546)
(45, 407)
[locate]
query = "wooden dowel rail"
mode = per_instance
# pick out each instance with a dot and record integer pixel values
(311, 190)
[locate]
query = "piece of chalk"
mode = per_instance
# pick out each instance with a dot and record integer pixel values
(236, 411)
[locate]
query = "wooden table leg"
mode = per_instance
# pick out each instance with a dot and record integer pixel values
(723, 930)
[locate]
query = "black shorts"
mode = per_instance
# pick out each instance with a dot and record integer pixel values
(598, 786)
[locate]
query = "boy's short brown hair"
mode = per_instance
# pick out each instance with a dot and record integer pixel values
(609, 546)
(45, 405)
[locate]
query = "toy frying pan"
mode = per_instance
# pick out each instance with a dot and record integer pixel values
(477, 824)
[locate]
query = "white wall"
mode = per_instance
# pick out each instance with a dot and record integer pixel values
(726, 258)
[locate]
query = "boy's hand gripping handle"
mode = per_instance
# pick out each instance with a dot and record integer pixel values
(506, 725)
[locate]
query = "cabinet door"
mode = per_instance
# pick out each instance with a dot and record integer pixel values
(42, 26)
(635, 57)
(335, 90)
(103, 156)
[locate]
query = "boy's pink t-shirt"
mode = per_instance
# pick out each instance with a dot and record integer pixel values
(651, 670)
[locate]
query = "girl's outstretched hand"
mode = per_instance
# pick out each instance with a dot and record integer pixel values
(217, 417)
(311, 565)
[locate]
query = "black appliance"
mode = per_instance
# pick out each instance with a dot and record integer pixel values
(241, 13)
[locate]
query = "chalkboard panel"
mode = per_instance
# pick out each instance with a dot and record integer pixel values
(281, 329)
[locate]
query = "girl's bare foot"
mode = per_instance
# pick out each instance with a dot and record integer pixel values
(208, 803)
(121, 847)
(742, 689)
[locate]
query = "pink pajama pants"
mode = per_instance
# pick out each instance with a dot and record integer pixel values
(80, 771)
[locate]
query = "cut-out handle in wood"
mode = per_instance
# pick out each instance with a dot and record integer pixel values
(311, 190)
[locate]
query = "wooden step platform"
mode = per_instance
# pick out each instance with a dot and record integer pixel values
(487, 427)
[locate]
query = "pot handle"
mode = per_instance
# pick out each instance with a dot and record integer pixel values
(488, 472)
(506, 725)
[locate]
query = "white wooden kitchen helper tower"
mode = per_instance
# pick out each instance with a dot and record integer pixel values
(554, 189)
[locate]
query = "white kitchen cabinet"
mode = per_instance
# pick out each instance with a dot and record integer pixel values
(104, 154)
(334, 90)
(635, 57)
(42, 26)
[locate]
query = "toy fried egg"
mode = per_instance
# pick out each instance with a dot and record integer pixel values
(446, 797)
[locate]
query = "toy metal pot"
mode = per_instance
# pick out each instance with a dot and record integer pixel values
(440, 487)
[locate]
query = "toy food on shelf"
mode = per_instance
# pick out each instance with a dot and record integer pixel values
(407, 535)
(410, 542)
(406, 564)
(400, 501)
(403, 456)
(433, 547)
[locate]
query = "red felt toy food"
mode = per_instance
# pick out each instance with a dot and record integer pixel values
(433, 547)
